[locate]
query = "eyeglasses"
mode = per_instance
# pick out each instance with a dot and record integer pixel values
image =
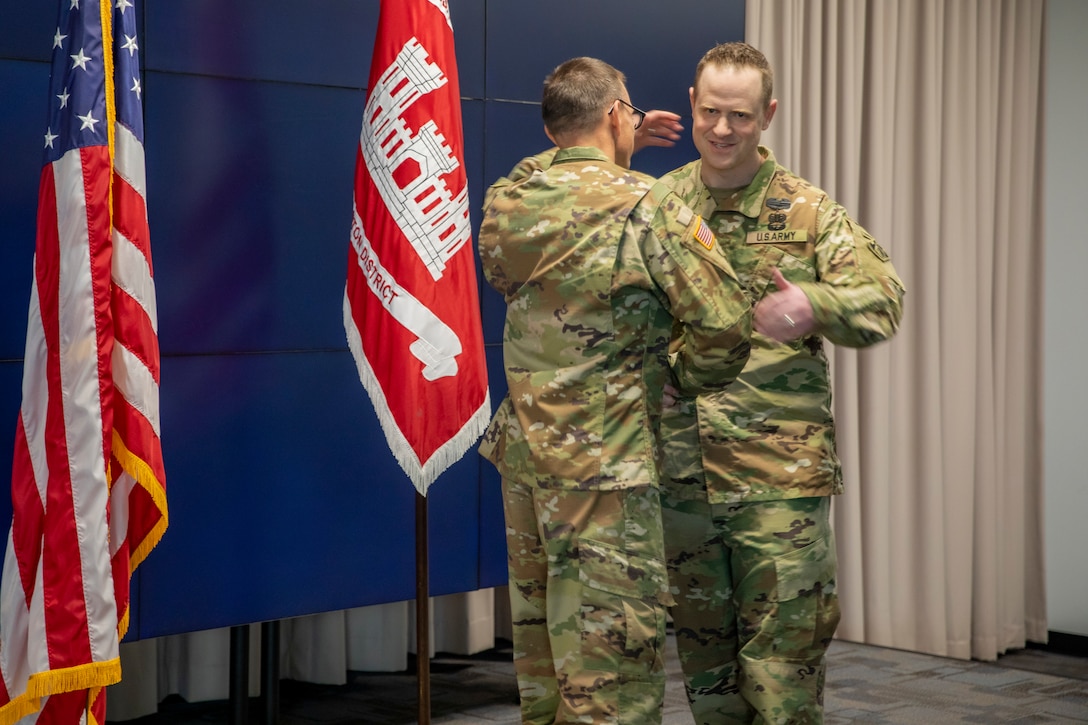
(640, 115)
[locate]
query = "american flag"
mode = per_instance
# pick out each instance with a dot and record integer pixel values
(704, 235)
(88, 484)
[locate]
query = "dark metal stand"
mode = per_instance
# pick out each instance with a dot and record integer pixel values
(270, 674)
(239, 675)
(423, 618)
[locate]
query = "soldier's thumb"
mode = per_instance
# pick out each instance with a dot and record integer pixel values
(779, 280)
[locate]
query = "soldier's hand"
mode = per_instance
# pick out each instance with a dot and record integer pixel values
(785, 314)
(661, 128)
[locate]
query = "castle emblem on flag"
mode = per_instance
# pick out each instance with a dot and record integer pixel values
(407, 167)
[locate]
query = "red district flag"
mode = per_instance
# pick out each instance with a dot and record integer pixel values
(87, 483)
(411, 309)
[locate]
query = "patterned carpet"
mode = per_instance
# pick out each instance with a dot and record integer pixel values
(866, 684)
(874, 685)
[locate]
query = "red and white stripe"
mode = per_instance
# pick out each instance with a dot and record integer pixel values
(88, 484)
(138, 514)
(60, 484)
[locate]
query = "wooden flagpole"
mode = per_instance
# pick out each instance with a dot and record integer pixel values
(423, 618)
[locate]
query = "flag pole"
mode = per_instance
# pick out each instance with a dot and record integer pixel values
(423, 619)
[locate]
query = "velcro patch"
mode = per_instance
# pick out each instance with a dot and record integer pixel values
(703, 234)
(878, 251)
(785, 236)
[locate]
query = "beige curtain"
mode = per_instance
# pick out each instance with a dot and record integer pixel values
(923, 118)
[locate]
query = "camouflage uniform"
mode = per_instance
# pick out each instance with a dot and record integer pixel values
(748, 470)
(595, 263)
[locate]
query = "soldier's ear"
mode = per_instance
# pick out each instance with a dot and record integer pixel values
(768, 114)
(617, 130)
(613, 118)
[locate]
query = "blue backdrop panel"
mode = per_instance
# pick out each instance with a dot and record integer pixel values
(22, 126)
(329, 43)
(275, 40)
(11, 379)
(469, 19)
(284, 497)
(250, 233)
(249, 200)
(26, 33)
(656, 45)
(472, 119)
(493, 538)
(514, 130)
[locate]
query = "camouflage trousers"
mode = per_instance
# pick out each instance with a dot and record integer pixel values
(588, 597)
(756, 606)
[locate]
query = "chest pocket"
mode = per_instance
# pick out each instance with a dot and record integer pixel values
(783, 237)
(797, 263)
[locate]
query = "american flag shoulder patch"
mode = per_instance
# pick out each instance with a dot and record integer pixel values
(703, 234)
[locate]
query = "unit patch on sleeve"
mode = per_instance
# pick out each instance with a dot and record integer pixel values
(878, 251)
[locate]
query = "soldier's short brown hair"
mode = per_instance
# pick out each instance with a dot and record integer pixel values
(576, 93)
(739, 55)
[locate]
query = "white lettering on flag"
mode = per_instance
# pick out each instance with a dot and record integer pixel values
(437, 346)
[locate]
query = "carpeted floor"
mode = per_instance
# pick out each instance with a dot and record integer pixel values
(874, 685)
(866, 684)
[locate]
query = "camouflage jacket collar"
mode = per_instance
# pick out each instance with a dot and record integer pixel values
(747, 200)
(580, 153)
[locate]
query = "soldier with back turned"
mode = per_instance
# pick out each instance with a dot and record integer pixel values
(597, 264)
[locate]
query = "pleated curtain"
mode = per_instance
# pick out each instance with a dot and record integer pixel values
(924, 118)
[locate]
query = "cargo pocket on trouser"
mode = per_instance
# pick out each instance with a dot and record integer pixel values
(807, 601)
(623, 617)
(783, 668)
